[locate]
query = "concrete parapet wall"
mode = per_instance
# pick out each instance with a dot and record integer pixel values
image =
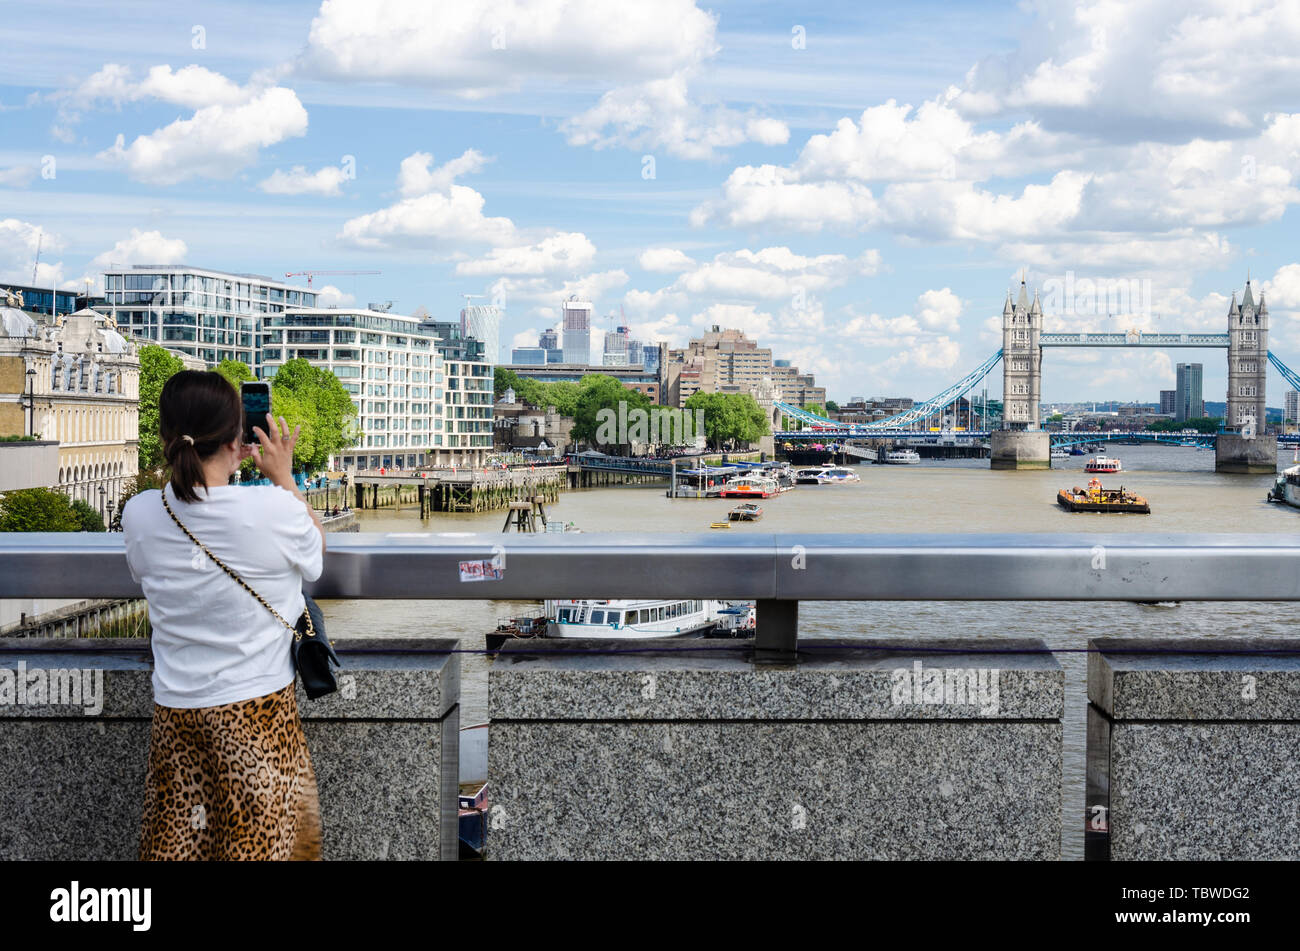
(1020, 449)
(1192, 753)
(1235, 453)
(384, 748)
(702, 754)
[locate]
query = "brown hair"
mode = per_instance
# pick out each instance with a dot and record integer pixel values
(198, 413)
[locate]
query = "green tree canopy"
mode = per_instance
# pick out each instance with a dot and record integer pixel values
(598, 392)
(1203, 424)
(88, 519)
(730, 419)
(157, 366)
(235, 372)
(39, 510)
(324, 409)
(504, 379)
(832, 406)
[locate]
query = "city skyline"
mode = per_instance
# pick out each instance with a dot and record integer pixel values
(860, 211)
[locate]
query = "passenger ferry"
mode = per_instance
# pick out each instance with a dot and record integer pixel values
(826, 475)
(902, 457)
(632, 620)
(1287, 487)
(750, 487)
(1102, 464)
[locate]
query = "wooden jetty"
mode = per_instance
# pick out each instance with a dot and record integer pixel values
(458, 489)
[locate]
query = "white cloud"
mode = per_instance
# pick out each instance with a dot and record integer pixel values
(193, 87)
(499, 45)
(665, 260)
(939, 310)
(331, 296)
(547, 295)
(766, 274)
(216, 142)
(298, 181)
(142, 247)
(563, 252)
(445, 217)
(18, 243)
(416, 177)
(660, 115)
(1128, 72)
(17, 176)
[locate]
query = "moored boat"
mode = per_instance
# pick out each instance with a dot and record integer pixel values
(902, 457)
(1095, 498)
(746, 512)
(749, 487)
(631, 620)
(1103, 465)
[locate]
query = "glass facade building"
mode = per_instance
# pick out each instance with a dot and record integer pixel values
(211, 315)
(416, 404)
(1188, 400)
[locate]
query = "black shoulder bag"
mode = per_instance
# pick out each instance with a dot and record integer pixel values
(311, 649)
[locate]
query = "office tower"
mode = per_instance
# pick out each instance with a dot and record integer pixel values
(577, 331)
(483, 322)
(1188, 400)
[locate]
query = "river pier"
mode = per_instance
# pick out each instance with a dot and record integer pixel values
(458, 489)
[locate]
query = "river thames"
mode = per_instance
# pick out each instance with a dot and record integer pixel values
(942, 496)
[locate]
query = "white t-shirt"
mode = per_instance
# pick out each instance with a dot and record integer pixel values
(213, 642)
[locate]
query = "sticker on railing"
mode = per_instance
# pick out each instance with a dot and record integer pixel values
(481, 571)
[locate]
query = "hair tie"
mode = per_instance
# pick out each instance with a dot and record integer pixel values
(188, 439)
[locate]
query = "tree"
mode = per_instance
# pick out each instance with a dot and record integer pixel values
(88, 519)
(324, 409)
(832, 406)
(602, 392)
(730, 419)
(38, 510)
(504, 379)
(564, 396)
(157, 366)
(235, 372)
(141, 483)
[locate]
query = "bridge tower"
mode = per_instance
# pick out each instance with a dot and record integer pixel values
(1247, 360)
(1246, 447)
(1022, 361)
(1020, 444)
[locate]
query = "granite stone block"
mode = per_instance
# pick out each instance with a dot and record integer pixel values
(384, 748)
(679, 755)
(1191, 748)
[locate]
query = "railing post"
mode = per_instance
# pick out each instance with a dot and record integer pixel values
(776, 637)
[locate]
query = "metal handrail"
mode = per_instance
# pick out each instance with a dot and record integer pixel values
(777, 571)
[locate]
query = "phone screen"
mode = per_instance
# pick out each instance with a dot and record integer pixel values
(257, 403)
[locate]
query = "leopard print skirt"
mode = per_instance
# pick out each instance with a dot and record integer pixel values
(230, 782)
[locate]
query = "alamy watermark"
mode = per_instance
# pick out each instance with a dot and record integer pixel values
(919, 685)
(661, 426)
(1086, 296)
(53, 686)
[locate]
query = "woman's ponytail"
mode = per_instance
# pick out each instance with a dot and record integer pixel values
(198, 413)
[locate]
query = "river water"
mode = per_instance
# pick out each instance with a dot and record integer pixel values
(941, 496)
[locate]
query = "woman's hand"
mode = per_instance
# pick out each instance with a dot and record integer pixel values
(274, 453)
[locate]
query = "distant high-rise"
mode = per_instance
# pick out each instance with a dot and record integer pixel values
(577, 331)
(1188, 400)
(1167, 402)
(528, 356)
(1291, 412)
(483, 322)
(616, 348)
(549, 341)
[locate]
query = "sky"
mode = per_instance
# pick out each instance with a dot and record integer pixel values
(855, 185)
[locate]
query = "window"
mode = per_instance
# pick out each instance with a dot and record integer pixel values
(597, 617)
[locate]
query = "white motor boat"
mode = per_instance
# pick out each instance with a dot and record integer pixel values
(902, 457)
(632, 620)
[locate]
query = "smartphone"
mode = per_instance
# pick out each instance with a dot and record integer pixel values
(257, 403)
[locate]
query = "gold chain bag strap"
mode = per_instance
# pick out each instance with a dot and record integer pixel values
(314, 662)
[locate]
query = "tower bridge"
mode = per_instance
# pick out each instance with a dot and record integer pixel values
(1022, 444)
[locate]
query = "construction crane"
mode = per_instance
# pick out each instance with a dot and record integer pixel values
(311, 274)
